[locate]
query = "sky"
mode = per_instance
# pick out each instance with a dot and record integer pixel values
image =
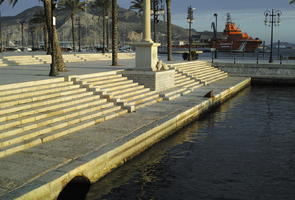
(247, 14)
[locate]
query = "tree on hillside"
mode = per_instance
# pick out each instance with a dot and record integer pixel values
(58, 55)
(103, 9)
(39, 20)
(137, 5)
(74, 6)
(114, 33)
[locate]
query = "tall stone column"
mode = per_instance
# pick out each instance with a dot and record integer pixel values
(146, 50)
(147, 21)
(146, 59)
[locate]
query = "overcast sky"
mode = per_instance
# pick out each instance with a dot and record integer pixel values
(248, 14)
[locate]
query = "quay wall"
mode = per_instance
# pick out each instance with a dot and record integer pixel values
(101, 162)
(274, 74)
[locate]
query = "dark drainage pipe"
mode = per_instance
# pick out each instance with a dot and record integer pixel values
(76, 189)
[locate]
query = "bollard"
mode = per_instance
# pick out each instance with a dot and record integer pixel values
(281, 59)
(212, 57)
(234, 59)
(257, 59)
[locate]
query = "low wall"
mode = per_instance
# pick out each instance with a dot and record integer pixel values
(261, 73)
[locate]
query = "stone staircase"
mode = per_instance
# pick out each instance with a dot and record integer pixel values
(190, 76)
(2, 63)
(116, 88)
(22, 60)
(200, 71)
(183, 85)
(93, 57)
(33, 113)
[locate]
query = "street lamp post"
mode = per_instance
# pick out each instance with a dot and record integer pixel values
(107, 30)
(157, 11)
(22, 32)
(272, 18)
(53, 69)
(1, 40)
(215, 15)
(190, 20)
(79, 34)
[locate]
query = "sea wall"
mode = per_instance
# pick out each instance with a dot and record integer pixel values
(261, 73)
(102, 161)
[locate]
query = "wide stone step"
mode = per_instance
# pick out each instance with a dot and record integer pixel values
(37, 92)
(190, 84)
(138, 96)
(126, 90)
(215, 78)
(34, 84)
(50, 113)
(45, 126)
(149, 97)
(107, 82)
(33, 99)
(45, 109)
(44, 102)
(185, 67)
(195, 70)
(121, 86)
(36, 99)
(173, 93)
(58, 133)
(149, 102)
(179, 82)
(206, 75)
(130, 93)
(101, 78)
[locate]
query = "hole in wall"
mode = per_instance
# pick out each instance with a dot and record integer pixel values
(76, 189)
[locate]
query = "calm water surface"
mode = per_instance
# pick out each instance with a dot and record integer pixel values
(244, 150)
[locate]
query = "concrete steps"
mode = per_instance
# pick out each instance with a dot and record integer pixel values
(22, 60)
(116, 88)
(93, 57)
(183, 85)
(2, 63)
(200, 70)
(35, 112)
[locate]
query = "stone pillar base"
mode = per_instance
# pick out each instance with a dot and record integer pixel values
(156, 81)
(146, 56)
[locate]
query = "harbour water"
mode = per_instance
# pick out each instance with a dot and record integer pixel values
(243, 150)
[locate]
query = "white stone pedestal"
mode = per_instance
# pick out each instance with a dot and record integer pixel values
(156, 81)
(146, 57)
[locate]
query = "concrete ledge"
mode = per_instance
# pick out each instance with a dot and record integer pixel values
(101, 161)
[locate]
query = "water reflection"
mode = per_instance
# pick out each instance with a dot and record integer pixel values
(244, 150)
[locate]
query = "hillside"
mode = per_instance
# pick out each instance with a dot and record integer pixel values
(130, 28)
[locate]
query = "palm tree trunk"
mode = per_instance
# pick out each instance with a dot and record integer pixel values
(45, 38)
(114, 33)
(103, 31)
(73, 32)
(58, 55)
(169, 31)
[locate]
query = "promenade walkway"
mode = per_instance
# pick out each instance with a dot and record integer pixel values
(42, 171)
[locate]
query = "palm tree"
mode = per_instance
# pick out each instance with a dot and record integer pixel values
(114, 33)
(39, 20)
(74, 6)
(169, 31)
(57, 51)
(137, 5)
(103, 8)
